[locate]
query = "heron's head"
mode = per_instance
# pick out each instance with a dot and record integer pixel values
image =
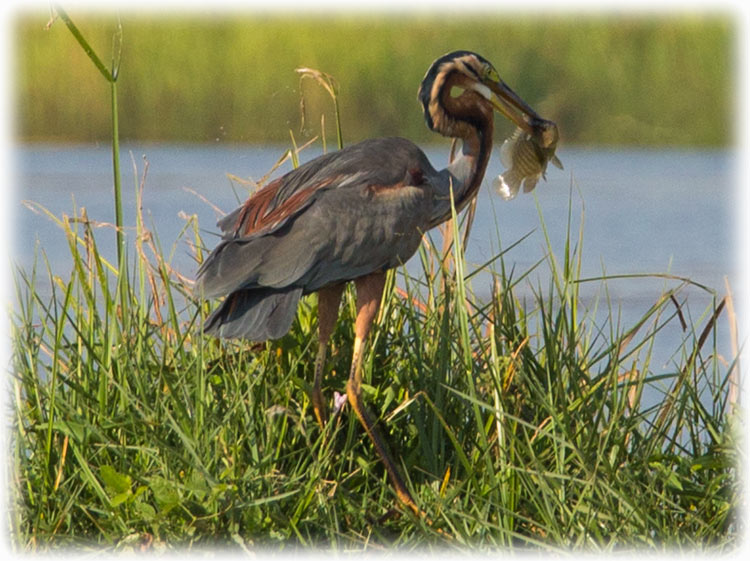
(461, 90)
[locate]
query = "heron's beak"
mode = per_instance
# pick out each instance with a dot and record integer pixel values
(511, 106)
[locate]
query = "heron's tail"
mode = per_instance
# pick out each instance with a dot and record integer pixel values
(255, 314)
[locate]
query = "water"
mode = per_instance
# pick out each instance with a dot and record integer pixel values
(644, 211)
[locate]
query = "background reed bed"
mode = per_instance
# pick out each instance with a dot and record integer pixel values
(232, 75)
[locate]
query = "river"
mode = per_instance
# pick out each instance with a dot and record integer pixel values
(643, 210)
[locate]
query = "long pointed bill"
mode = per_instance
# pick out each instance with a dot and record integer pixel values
(512, 107)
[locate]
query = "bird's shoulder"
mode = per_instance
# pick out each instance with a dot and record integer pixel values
(380, 167)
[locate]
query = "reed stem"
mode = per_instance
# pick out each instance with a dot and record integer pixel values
(111, 77)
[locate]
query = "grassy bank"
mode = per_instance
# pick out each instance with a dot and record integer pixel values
(605, 80)
(520, 423)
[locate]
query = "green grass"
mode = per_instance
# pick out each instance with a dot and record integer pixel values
(520, 421)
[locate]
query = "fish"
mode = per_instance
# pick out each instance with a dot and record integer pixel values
(525, 157)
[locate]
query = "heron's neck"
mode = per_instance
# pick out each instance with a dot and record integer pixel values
(463, 176)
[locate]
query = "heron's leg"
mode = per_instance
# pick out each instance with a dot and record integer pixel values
(328, 311)
(369, 292)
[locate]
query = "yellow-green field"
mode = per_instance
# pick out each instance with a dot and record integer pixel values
(605, 80)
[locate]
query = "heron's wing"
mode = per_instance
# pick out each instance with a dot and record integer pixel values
(265, 212)
(332, 219)
(382, 161)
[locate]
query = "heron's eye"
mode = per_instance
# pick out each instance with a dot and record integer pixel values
(491, 75)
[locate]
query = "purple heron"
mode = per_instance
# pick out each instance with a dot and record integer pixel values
(352, 215)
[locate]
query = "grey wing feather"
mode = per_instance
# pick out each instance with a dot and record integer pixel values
(226, 224)
(273, 261)
(257, 315)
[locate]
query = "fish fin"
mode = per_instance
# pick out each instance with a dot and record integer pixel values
(556, 162)
(530, 182)
(507, 184)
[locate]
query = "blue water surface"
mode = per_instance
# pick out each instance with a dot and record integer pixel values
(642, 211)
